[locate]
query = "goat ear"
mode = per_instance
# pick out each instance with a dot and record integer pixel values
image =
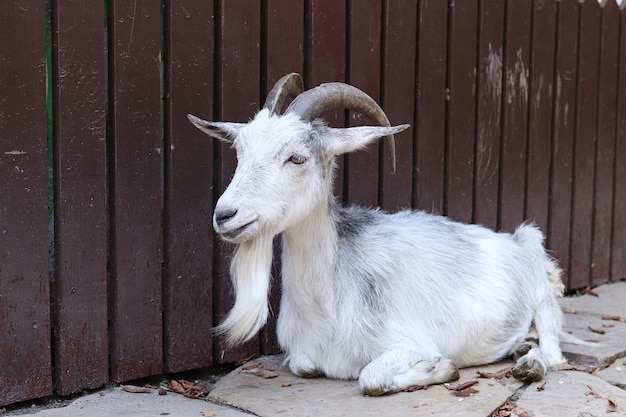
(224, 131)
(355, 138)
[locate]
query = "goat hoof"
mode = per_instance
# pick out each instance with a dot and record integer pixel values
(529, 370)
(313, 373)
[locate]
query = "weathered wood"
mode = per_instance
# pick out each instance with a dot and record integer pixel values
(563, 131)
(585, 145)
(398, 91)
(541, 98)
(25, 369)
(618, 247)
(237, 100)
(325, 59)
(364, 65)
(79, 291)
(514, 114)
(188, 270)
(135, 195)
(430, 119)
(488, 112)
(605, 145)
(461, 97)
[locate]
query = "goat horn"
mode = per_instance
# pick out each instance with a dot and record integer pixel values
(289, 85)
(329, 96)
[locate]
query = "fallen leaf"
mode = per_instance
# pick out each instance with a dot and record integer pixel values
(524, 414)
(541, 387)
(285, 384)
(188, 389)
(587, 290)
(462, 390)
(176, 387)
(266, 373)
(502, 373)
(135, 390)
(615, 318)
(207, 414)
(608, 325)
(244, 360)
(612, 405)
(593, 392)
(599, 331)
(251, 366)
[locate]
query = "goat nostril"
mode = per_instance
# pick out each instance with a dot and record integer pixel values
(224, 215)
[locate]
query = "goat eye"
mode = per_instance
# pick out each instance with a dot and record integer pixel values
(297, 159)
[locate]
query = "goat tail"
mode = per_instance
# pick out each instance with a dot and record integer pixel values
(531, 239)
(251, 274)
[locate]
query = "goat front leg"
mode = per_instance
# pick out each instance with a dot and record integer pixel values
(403, 366)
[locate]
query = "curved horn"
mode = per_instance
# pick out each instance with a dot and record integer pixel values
(315, 102)
(289, 85)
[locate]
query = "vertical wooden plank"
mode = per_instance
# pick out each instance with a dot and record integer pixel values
(618, 251)
(363, 72)
(325, 58)
(188, 275)
(80, 287)
(488, 112)
(605, 147)
(398, 100)
(540, 112)
(237, 88)
(283, 52)
(462, 52)
(25, 370)
(514, 114)
(428, 187)
(585, 144)
(135, 179)
(563, 131)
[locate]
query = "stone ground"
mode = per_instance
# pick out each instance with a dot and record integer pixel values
(593, 385)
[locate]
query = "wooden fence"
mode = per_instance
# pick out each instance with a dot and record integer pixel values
(518, 111)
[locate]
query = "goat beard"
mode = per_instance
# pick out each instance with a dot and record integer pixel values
(250, 272)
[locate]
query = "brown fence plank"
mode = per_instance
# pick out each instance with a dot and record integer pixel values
(79, 292)
(514, 114)
(398, 100)
(25, 370)
(135, 178)
(488, 112)
(238, 88)
(565, 75)
(325, 59)
(540, 112)
(585, 145)
(188, 275)
(431, 106)
(605, 146)
(361, 174)
(283, 53)
(618, 247)
(462, 52)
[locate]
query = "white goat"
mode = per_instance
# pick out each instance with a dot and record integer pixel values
(394, 300)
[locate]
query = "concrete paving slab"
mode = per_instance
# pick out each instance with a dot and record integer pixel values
(611, 300)
(615, 374)
(286, 395)
(571, 393)
(116, 402)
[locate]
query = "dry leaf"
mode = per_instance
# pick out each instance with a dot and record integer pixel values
(207, 414)
(587, 290)
(136, 390)
(266, 373)
(541, 387)
(593, 392)
(612, 405)
(615, 318)
(524, 414)
(462, 390)
(599, 331)
(608, 325)
(285, 384)
(244, 360)
(506, 372)
(251, 366)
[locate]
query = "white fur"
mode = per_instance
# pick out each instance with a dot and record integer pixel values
(391, 299)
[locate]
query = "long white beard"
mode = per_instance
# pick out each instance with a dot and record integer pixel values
(251, 274)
